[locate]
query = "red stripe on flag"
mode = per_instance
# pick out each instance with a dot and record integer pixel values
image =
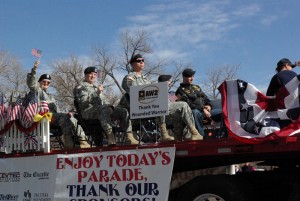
(36, 52)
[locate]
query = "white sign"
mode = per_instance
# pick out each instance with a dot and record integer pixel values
(150, 100)
(135, 175)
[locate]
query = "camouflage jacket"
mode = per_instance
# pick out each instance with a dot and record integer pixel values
(87, 96)
(132, 79)
(35, 88)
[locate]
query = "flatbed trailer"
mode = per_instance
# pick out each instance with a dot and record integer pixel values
(209, 164)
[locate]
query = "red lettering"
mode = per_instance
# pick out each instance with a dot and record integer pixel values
(152, 158)
(121, 160)
(81, 175)
(98, 160)
(144, 160)
(166, 158)
(87, 162)
(110, 160)
(69, 162)
(115, 176)
(78, 164)
(59, 163)
(133, 159)
(103, 175)
(93, 177)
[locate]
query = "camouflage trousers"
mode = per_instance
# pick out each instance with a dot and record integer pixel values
(122, 115)
(107, 115)
(180, 117)
(102, 113)
(67, 124)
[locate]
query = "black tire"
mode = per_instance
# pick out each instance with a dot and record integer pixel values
(216, 187)
(295, 193)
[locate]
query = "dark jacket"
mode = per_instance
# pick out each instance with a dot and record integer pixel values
(279, 80)
(193, 95)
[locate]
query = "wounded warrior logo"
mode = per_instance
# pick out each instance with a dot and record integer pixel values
(141, 95)
(148, 94)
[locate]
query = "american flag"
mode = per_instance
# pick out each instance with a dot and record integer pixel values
(30, 107)
(252, 117)
(30, 138)
(36, 52)
(44, 105)
(15, 110)
(172, 96)
(2, 107)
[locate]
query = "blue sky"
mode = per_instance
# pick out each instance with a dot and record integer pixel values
(254, 34)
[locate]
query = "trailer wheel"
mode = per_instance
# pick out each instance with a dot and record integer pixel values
(216, 188)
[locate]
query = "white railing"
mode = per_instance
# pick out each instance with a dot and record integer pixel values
(14, 140)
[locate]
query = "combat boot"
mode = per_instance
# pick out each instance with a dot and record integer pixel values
(130, 139)
(111, 139)
(195, 134)
(68, 141)
(165, 137)
(83, 142)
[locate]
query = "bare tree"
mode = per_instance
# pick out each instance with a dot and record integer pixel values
(216, 76)
(107, 65)
(133, 43)
(130, 44)
(11, 75)
(66, 75)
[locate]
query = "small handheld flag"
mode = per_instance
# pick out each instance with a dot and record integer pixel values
(36, 52)
(172, 96)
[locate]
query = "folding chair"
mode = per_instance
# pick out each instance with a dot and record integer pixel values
(92, 128)
(56, 137)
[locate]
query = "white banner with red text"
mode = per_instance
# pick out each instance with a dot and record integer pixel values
(123, 175)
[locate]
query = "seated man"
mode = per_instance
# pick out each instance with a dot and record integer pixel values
(66, 121)
(284, 75)
(135, 78)
(180, 115)
(197, 100)
(92, 104)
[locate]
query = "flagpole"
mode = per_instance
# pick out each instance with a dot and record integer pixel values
(39, 58)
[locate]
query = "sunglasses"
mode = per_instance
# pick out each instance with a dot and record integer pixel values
(46, 82)
(139, 60)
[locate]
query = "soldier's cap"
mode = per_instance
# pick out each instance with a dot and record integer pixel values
(164, 78)
(188, 72)
(45, 77)
(135, 57)
(284, 61)
(90, 69)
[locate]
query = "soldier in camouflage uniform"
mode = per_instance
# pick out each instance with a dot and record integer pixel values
(92, 104)
(136, 78)
(180, 116)
(65, 121)
(197, 100)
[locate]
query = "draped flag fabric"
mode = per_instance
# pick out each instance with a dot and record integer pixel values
(30, 138)
(30, 107)
(2, 107)
(44, 108)
(15, 110)
(253, 117)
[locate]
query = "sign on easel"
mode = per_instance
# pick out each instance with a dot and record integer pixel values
(150, 100)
